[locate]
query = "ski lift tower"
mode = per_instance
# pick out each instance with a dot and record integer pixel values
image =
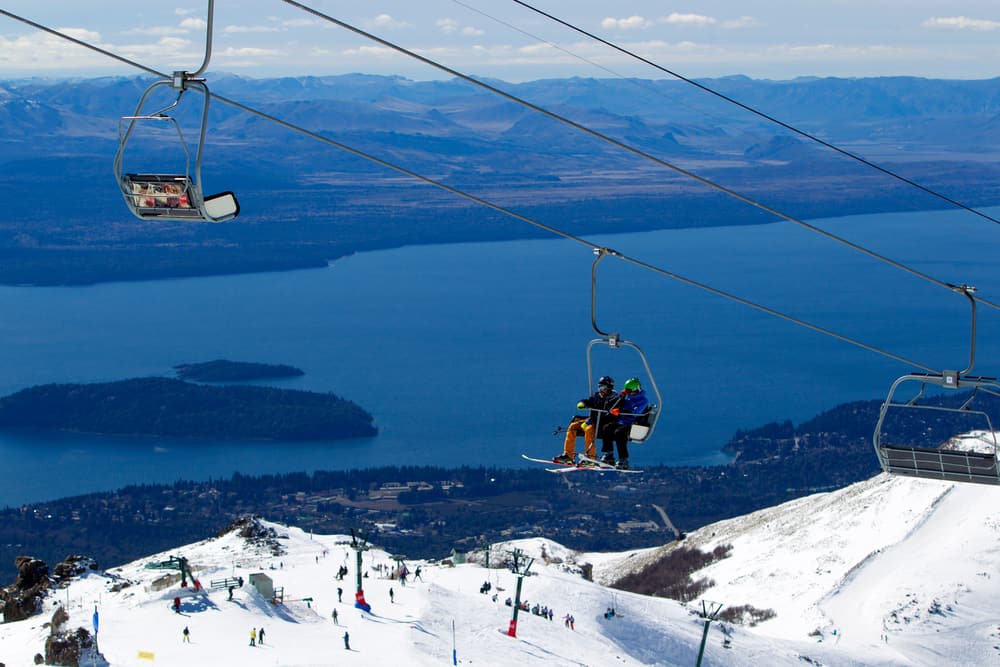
(519, 558)
(179, 563)
(360, 545)
(709, 612)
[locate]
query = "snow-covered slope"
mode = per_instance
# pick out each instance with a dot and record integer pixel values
(885, 572)
(901, 570)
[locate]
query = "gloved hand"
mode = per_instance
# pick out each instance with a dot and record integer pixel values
(615, 412)
(581, 405)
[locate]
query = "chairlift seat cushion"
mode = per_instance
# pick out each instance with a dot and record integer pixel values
(943, 464)
(160, 195)
(643, 425)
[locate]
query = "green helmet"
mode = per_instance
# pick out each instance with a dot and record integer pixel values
(632, 384)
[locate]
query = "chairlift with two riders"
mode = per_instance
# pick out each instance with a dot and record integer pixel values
(643, 425)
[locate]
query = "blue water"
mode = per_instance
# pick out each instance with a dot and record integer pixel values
(471, 354)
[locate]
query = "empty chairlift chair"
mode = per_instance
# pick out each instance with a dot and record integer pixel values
(939, 437)
(171, 196)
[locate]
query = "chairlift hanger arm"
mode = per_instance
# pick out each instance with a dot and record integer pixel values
(161, 114)
(208, 42)
(601, 253)
(968, 291)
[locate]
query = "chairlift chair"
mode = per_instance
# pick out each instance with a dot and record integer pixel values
(948, 458)
(642, 428)
(644, 424)
(172, 196)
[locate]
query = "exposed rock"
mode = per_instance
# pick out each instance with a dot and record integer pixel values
(66, 648)
(69, 647)
(73, 566)
(254, 532)
(23, 598)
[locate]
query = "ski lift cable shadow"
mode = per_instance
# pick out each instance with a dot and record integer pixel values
(173, 196)
(954, 458)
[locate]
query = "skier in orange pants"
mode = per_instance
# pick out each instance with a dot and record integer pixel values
(601, 405)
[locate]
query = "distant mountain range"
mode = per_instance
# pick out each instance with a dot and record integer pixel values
(305, 201)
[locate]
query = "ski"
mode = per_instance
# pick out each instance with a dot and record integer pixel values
(572, 467)
(601, 466)
(549, 461)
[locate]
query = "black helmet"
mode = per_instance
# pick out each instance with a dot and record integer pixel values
(606, 381)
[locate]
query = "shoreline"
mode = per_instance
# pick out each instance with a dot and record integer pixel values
(292, 258)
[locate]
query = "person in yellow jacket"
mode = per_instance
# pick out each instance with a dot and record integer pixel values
(601, 405)
(253, 636)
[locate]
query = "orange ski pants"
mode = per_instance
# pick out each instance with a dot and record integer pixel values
(575, 428)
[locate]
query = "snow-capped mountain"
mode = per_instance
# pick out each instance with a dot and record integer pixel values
(889, 571)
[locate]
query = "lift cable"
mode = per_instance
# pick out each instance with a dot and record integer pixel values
(500, 209)
(636, 151)
(757, 112)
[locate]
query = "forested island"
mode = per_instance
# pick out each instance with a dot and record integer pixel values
(167, 407)
(223, 370)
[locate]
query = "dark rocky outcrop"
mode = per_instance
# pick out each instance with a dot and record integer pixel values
(73, 566)
(66, 646)
(254, 532)
(24, 597)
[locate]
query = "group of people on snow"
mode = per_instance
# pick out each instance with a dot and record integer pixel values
(611, 417)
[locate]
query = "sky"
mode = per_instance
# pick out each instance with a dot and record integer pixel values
(765, 39)
(889, 571)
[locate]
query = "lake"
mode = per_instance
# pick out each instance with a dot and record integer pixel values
(470, 354)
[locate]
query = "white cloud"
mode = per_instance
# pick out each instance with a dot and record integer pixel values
(243, 52)
(451, 26)
(194, 24)
(185, 12)
(386, 22)
(43, 51)
(812, 49)
(447, 25)
(686, 19)
(380, 52)
(81, 34)
(242, 29)
(299, 23)
(630, 23)
(538, 49)
(157, 31)
(165, 45)
(960, 23)
(741, 23)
